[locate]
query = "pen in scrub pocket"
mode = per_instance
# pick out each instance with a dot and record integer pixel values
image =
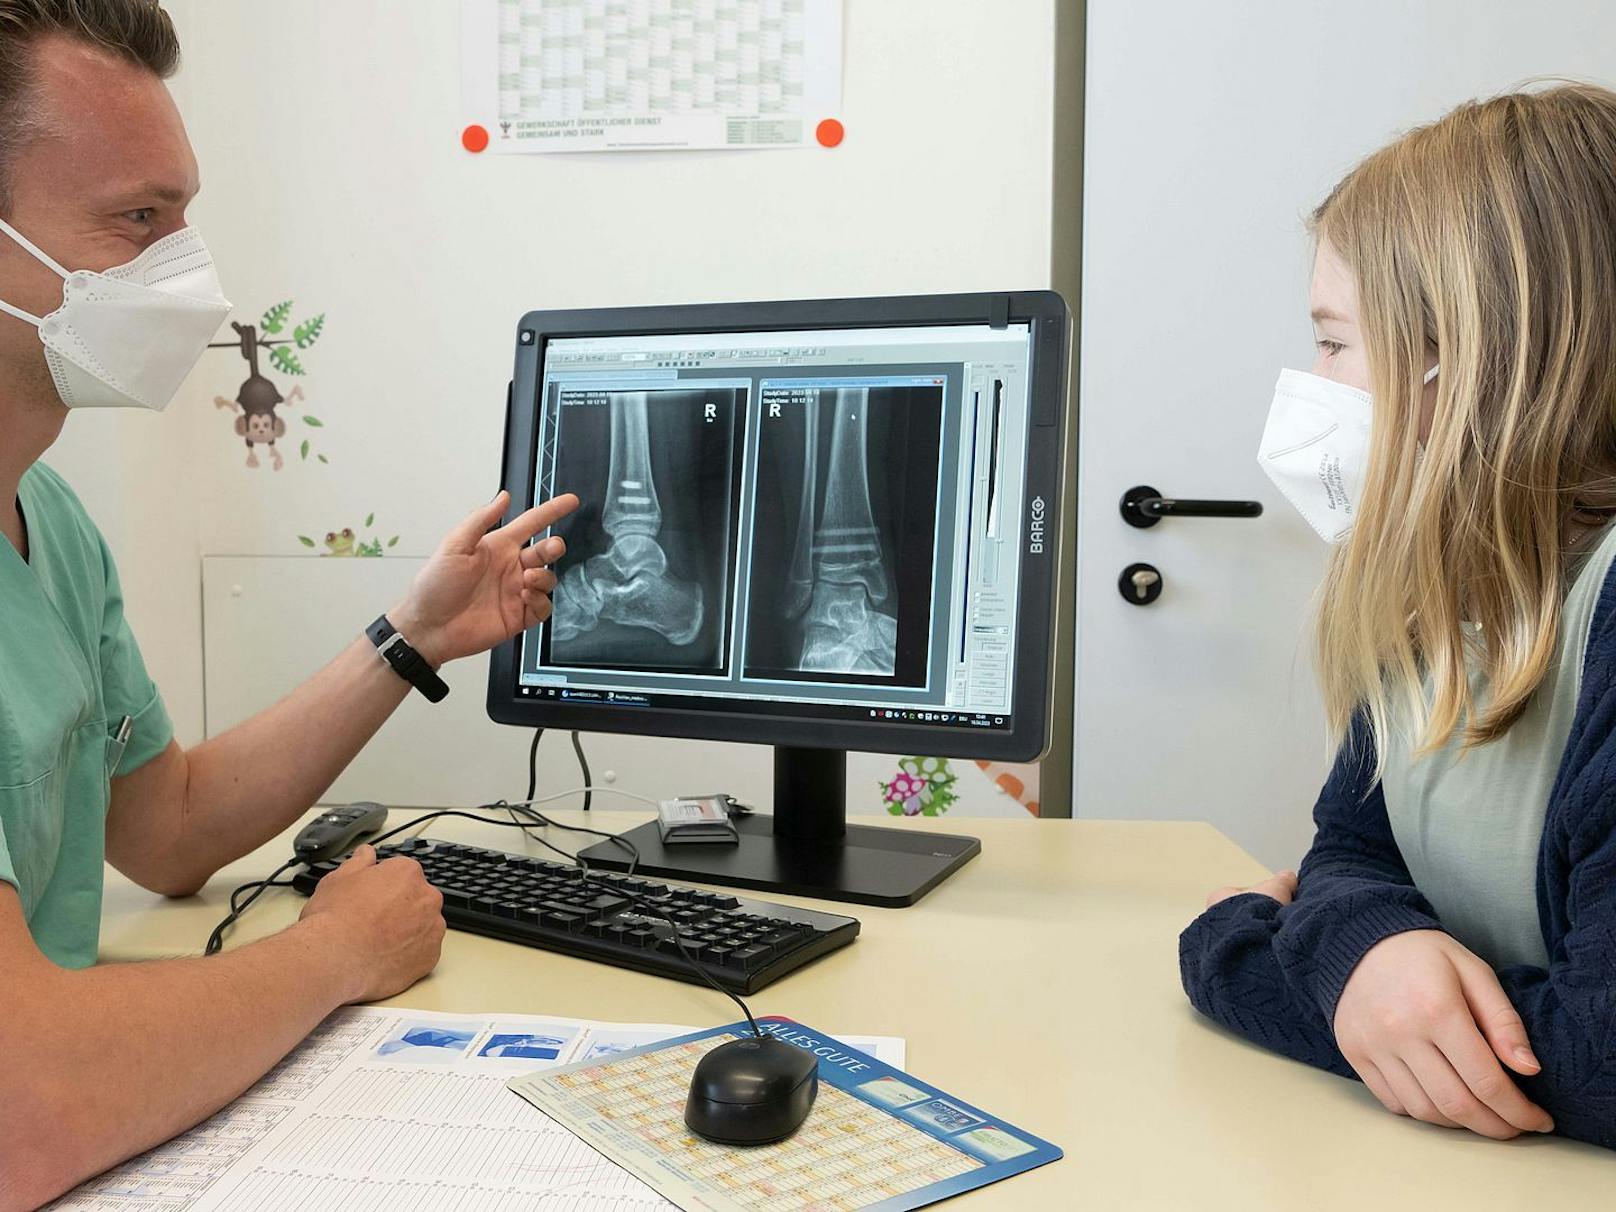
(125, 727)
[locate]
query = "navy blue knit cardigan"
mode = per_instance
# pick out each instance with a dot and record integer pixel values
(1274, 973)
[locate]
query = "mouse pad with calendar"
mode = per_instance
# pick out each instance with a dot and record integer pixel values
(877, 1140)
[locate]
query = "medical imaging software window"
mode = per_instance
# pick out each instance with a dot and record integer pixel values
(808, 523)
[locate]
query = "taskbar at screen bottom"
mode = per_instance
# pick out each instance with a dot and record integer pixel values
(798, 709)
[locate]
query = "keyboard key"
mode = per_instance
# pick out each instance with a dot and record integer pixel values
(750, 957)
(566, 906)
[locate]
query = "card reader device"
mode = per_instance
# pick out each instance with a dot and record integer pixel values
(697, 818)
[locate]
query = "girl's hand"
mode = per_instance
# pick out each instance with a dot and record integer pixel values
(1281, 887)
(1424, 1022)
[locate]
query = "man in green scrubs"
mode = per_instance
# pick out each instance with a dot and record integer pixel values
(103, 1061)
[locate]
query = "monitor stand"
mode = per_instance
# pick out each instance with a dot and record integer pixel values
(806, 848)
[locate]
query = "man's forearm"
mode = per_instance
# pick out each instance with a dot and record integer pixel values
(248, 784)
(175, 823)
(117, 1058)
(180, 817)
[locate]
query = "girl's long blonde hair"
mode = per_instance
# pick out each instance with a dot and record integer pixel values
(1486, 240)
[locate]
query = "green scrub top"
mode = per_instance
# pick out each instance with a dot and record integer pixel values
(69, 673)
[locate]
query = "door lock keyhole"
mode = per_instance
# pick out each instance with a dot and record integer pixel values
(1140, 584)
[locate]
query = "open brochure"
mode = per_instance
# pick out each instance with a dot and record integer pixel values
(877, 1140)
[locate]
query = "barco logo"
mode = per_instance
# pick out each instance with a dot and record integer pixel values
(1035, 536)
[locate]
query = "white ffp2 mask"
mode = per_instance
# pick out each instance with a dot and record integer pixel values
(126, 337)
(1315, 448)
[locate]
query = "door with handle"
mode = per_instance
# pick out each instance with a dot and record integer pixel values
(1210, 131)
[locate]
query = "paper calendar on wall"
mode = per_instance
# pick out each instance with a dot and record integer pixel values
(634, 75)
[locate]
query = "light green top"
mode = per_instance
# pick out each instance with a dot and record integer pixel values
(69, 672)
(1470, 827)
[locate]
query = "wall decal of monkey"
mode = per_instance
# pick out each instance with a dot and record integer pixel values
(258, 401)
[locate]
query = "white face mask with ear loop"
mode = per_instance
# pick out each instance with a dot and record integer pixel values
(128, 336)
(1315, 448)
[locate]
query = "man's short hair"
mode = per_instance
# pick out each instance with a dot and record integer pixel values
(136, 30)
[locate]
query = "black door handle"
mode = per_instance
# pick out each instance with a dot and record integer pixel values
(1143, 506)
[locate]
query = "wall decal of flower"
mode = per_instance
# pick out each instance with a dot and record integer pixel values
(922, 786)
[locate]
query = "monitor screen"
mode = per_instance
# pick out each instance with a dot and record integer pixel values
(810, 525)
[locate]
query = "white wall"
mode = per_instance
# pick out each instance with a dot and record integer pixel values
(328, 135)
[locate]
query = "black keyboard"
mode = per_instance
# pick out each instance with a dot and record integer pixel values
(742, 944)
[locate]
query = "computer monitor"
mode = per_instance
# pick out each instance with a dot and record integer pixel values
(820, 525)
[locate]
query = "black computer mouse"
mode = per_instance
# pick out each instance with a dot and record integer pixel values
(751, 1091)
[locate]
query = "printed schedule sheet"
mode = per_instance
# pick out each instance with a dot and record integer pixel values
(625, 75)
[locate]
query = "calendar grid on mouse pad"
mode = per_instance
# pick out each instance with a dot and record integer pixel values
(876, 1138)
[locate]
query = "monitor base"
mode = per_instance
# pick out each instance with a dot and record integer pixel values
(866, 865)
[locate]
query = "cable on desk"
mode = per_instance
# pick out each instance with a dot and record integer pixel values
(525, 808)
(533, 770)
(585, 875)
(216, 939)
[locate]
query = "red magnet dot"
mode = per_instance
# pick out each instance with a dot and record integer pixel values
(829, 132)
(474, 138)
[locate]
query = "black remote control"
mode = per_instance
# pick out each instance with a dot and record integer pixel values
(336, 830)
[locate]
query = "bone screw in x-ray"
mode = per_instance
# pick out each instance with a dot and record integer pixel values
(845, 569)
(629, 582)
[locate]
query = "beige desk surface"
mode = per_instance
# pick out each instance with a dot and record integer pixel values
(1040, 983)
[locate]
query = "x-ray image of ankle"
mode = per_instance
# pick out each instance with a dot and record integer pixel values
(844, 634)
(846, 580)
(629, 583)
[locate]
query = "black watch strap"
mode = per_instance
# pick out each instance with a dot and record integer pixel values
(406, 662)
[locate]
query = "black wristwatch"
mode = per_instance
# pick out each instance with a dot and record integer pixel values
(406, 662)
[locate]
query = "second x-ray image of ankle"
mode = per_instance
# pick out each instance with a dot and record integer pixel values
(837, 576)
(629, 583)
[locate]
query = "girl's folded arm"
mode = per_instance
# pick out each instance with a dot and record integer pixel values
(1273, 973)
